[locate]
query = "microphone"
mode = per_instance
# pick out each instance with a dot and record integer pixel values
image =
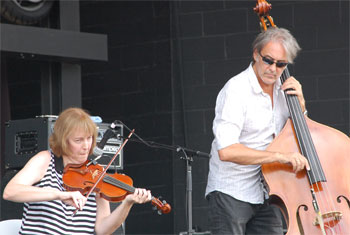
(193, 152)
(97, 152)
(109, 133)
(202, 154)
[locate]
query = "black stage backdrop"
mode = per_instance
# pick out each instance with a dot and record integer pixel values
(167, 61)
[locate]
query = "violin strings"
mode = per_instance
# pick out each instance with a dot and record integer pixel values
(109, 179)
(118, 183)
(303, 134)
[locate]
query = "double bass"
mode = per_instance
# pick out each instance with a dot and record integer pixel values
(314, 201)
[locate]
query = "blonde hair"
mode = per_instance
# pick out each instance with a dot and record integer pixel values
(68, 121)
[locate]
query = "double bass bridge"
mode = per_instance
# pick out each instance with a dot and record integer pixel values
(328, 218)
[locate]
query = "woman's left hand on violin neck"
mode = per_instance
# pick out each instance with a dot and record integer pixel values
(139, 196)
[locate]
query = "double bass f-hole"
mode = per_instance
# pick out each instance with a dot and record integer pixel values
(314, 201)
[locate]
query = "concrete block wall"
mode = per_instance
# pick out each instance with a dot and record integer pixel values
(167, 62)
(216, 39)
(134, 87)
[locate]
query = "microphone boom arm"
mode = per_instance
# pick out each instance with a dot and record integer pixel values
(153, 144)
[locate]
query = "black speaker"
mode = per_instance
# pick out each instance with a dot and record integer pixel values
(9, 210)
(24, 138)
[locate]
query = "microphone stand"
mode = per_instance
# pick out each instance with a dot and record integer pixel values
(188, 157)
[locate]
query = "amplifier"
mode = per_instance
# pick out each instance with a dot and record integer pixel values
(26, 137)
(111, 147)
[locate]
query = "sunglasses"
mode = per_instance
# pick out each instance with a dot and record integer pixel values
(271, 62)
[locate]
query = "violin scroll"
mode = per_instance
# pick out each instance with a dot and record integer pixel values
(161, 206)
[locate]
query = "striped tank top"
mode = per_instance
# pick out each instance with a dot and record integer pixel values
(55, 217)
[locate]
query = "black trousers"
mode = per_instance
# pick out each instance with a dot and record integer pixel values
(228, 215)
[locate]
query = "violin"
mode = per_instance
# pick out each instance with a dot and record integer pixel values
(314, 201)
(90, 177)
(113, 187)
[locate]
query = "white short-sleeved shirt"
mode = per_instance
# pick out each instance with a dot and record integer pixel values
(244, 114)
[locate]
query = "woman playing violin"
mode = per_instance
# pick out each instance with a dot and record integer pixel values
(48, 207)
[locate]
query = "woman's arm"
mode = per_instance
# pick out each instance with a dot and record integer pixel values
(106, 222)
(21, 189)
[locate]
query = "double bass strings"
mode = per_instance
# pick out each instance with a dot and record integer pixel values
(305, 144)
(316, 174)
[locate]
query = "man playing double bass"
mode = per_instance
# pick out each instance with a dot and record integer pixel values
(250, 111)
